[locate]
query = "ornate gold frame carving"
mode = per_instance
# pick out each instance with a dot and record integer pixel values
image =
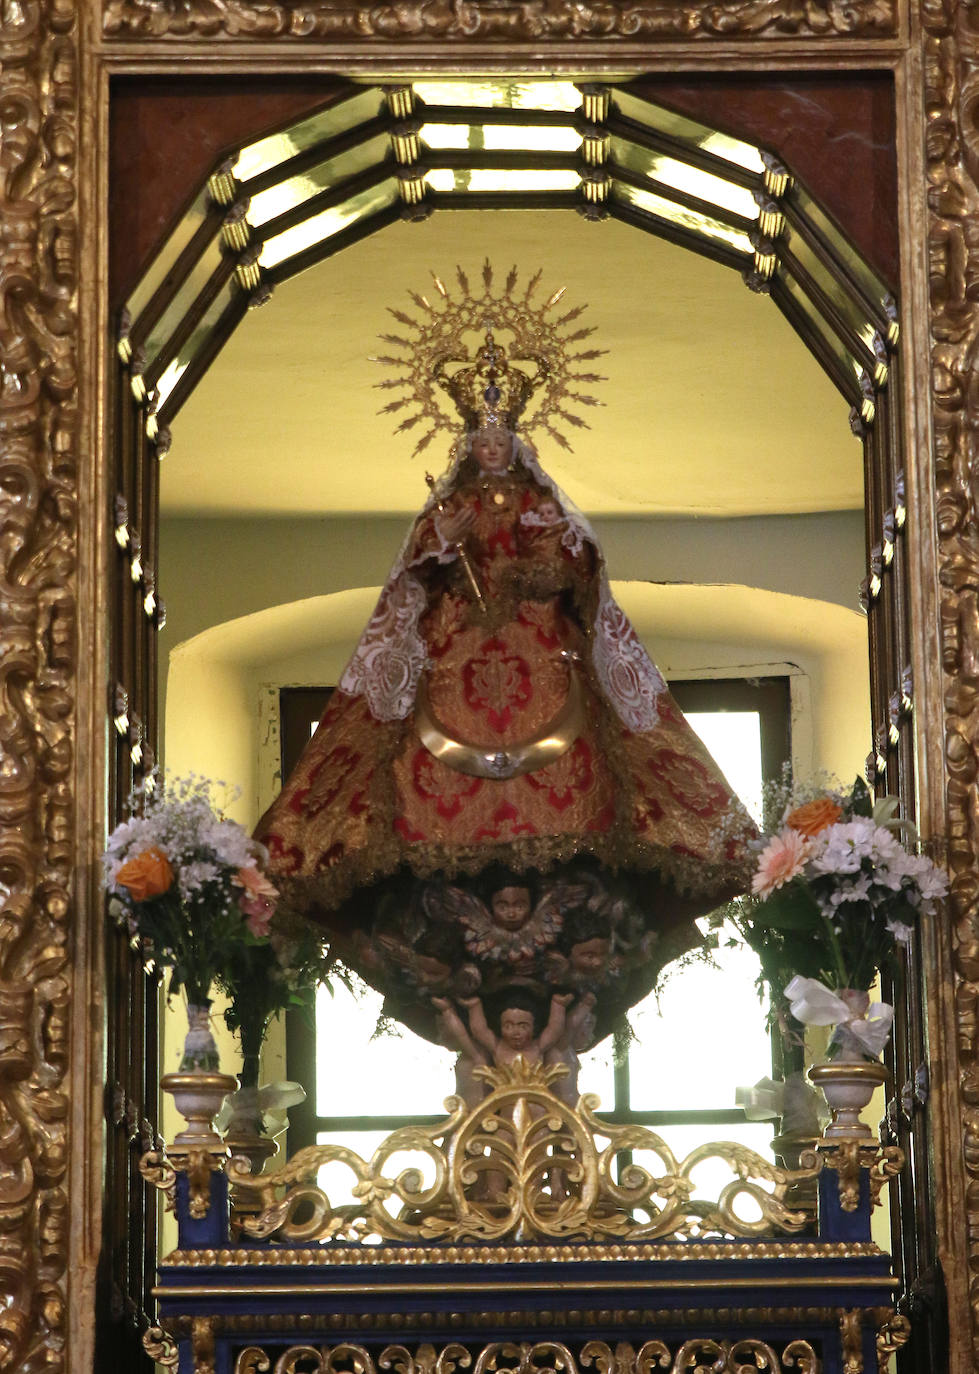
(501, 21)
(54, 514)
(544, 1357)
(39, 482)
(950, 53)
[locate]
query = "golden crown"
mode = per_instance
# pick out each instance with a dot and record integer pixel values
(490, 390)
(454, 349)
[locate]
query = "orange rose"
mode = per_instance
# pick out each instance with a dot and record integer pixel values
(148, 875)
(814, 816)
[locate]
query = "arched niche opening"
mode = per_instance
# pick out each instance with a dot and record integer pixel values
(610, 164)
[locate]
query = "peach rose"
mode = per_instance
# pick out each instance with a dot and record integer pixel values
(147, 875)
(814, 816)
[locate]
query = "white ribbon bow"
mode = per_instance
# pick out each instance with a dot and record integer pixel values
(265, 1106)
(861, 1031)
(763, 1102)
(795, 1101)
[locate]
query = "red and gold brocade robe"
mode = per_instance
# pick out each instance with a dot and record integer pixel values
(367, 798)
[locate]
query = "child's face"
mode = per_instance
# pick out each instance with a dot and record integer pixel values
(511, 907)
(589, 956)
(516, 1028)
(549, 511)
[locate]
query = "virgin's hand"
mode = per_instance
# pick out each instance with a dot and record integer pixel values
(452, 525)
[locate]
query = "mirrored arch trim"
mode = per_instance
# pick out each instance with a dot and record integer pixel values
(279, 205)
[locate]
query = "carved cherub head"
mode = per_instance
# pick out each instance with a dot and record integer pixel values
(516, 1028)
(510, 897)
(511, 907)
(589, 957)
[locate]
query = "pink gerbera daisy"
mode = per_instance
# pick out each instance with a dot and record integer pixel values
(781, 859)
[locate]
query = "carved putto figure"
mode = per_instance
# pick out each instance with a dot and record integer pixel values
(501, 792)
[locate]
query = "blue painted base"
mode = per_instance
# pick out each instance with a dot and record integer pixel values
(209, 1232)
(834, 1223)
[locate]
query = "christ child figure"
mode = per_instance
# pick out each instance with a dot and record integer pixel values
(520, 1035)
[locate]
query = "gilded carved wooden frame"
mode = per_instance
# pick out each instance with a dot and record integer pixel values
(55, 57)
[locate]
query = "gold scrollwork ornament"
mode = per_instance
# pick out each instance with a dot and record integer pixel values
(851, 1336)
(542, 1357)
(252, 1360)
(161, 1347)
(160, 1170)
(202, 1344)
(523, 1166)
(850, 1157)
(893, 1332)
(159, 1173)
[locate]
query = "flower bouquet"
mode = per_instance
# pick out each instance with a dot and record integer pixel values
(189, 884)
(834, 896)
(261, 978)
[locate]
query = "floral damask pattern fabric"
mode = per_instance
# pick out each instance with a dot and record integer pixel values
(634, 787)
(387, 664)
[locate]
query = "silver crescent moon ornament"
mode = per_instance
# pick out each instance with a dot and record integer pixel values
(525, 756)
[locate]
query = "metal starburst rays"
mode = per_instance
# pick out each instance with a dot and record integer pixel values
(450, 327)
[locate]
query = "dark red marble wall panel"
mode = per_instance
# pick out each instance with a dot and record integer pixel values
(165, 136)
(835, 131)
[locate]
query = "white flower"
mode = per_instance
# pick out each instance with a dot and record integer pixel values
(902, 933)
(853, 890)
(842, 848)
(932, 882)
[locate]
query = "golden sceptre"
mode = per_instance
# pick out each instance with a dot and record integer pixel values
(460, 549)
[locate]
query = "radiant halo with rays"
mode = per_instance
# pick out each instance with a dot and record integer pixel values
(450, 329)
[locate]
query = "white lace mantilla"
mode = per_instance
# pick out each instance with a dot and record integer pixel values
(388, 662)
(390, 658)
(629, 677)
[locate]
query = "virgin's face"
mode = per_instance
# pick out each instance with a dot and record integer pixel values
(492, 448)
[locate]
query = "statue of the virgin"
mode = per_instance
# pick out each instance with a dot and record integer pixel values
(502, 795)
